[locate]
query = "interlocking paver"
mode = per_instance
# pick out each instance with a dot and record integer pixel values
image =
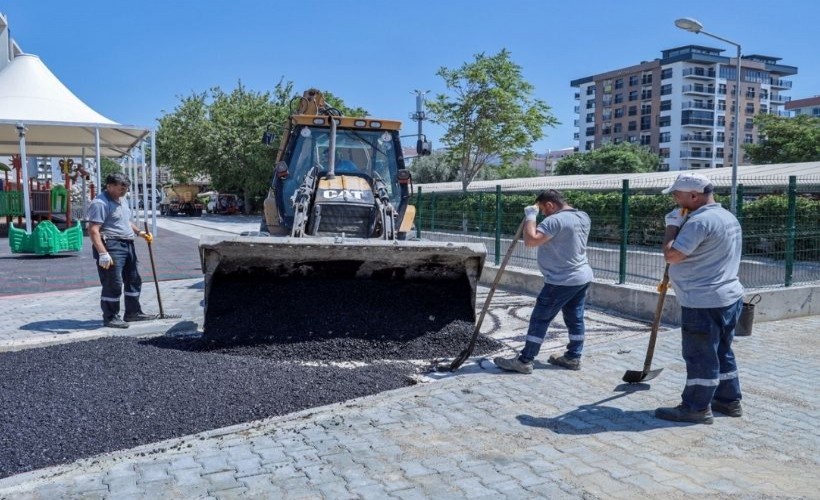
(478, 434)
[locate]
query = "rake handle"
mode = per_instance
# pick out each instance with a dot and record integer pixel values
(154, 272)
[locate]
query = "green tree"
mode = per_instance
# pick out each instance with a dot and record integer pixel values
(491, 114)
(433, 168)
(108, 167)
(514, 170)
(621, 158)
(786, 140)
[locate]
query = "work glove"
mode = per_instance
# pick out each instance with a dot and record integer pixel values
(105, 261)
(531, 212)
(675, 217)
(148, 236)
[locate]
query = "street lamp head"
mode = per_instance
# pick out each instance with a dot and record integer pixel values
(689, 24)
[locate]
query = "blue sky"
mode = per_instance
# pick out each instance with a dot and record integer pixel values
(132, 61)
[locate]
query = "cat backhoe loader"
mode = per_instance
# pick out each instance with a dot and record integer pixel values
(334, 255)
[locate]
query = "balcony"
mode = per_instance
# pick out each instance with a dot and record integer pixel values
(697, 105)
(696, 138)
(577, 109)
(698, 89)
(696, 154)
(780, 84)
(697, 122)
(781, 99)
(775, 112)
(577, 95)
(699, 73)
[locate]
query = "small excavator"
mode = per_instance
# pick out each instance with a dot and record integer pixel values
(336, 240)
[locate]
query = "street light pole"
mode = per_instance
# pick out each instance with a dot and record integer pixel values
(689, 24)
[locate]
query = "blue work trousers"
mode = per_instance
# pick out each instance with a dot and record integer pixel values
(123, 273)
(711, 370)
(554, 298)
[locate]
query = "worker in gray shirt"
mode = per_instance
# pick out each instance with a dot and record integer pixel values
(561, 239)
(703, 251)
(112, 236)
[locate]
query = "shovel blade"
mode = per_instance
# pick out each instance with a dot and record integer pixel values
(636, 376)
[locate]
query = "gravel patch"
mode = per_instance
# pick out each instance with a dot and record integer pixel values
(71, 401)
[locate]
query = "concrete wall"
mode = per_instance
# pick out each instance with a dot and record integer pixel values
(640, 302)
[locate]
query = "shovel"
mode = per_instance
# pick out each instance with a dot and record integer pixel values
(461, 358)
(636, 376)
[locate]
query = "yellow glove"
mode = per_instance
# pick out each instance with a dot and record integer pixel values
(148, 236)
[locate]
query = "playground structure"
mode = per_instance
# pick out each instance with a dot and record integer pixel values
(49, 206)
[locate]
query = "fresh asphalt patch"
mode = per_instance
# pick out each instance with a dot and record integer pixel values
(71, 401)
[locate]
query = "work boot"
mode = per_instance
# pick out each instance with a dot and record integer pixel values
(140, 316)
(115, 322)
(730, 408)
(563, 361)
(513, 365)
(681, 413)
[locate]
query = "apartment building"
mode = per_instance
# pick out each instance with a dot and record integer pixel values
(681, 105)
(808, 106)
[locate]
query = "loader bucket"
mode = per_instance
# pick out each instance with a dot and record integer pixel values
(283, 289)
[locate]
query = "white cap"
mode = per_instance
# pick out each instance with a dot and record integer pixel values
(690, 183)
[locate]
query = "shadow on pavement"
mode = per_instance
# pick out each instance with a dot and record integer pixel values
(594, 418)
(62, 326)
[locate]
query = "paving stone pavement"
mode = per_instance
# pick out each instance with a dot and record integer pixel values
(476, 433)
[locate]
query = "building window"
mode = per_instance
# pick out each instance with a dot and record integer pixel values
(666, 89)
(590, 131)
(590, 104)
(606, 114)
(666, 105)
(747, 139)
(617, 140)
(646, 79)
(619, 83)
(633, 80)
(633, 125)
(665, 137)
(720, 136)
(750, 93)
(632, 139)
(666, 74)
(722, 105)
(617, 128)
(619, 112)
(619, 98)
(750, 109)
(646, 122)
(633, 110)
(721, 121)
(646, 109)
(665, 121)
(633, 95)
(646, 93)
(646, 140)
(589, 145)
(591, 90)
(722, 89)
(590, 117)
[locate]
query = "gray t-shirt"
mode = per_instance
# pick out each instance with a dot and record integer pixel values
(114, 216)
(563, 259)
(712, 241)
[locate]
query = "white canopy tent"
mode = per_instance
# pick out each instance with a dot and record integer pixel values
(40, 116)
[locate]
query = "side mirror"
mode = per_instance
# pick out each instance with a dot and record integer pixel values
(424, 147)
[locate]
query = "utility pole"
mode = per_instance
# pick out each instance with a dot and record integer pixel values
(419, 116)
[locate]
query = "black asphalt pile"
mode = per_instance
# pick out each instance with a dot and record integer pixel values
(252, 306)
(70, 401)
(446, 342)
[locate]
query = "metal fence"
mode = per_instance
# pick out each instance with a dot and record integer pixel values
(780, 220)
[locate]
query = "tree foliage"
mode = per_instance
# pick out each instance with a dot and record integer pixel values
(490, 113)
(433, 168)
(610, 159)
(786, 140)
